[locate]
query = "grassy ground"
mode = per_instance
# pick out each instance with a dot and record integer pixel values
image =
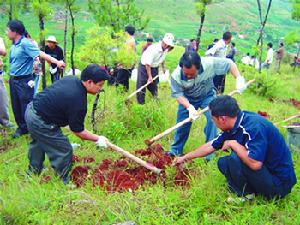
(25, 200)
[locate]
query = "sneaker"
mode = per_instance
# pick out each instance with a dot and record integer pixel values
(18, 133)
(240, 200)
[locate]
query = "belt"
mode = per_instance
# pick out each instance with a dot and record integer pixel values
(21, 77)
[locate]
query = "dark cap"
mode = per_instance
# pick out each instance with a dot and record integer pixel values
(95, 73)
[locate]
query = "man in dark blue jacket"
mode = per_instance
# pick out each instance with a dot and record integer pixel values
(260, 161)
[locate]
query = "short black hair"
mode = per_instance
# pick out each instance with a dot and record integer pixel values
(16, 26)
(270, 44)
(233, 44)
(190, 58)
(191, 40)
(248, 54)
(216, 40)
(281, 44)
(149, 39)
(227, 35)
(130, 30)
(95, 73)
(224, 106)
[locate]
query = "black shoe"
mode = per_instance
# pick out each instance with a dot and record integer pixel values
(18, 133)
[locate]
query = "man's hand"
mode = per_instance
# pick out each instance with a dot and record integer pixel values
(228, 145)
(192, 112)
(240, 84)
(150, 80)
(61, 64)
(178, 160)
(101, 142)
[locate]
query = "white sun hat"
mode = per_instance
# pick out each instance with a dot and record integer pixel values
(52, 39)
(169, 39)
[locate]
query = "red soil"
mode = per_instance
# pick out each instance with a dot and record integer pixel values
(123, 175)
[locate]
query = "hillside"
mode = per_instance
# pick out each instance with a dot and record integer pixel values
(179, 17)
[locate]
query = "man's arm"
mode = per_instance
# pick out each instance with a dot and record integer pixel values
(234, 70)
(183, 101)
(2, 48)
(202, 151)
(87, 135)
(242, 153)
(148, 69)
(163, 67)
(50, 59)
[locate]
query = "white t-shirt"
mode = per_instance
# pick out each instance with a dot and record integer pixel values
(218, 50)
(154, 55)
(270, 54)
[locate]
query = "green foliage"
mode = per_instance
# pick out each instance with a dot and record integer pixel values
(265, 85)
(41, 7)
(118, 14)
(295, 9)
(11, 6)
(294, 38)
(107, 50)
(200, 6)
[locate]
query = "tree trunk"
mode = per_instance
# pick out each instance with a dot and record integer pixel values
(260, 49)
(65, 37)
(199, 31)
(73, 39)
(42, 45)
(10, 12)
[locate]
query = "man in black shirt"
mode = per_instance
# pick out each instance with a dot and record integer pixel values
(56, 52)
(63, 103)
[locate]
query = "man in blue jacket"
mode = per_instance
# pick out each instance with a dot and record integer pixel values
(260, 161)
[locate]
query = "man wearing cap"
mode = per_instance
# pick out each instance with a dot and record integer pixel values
(151, 58)
(56, 52)
(54, 108)
(192, 86)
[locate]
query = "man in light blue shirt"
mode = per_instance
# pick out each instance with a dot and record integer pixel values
(22, 55)
(192, 86)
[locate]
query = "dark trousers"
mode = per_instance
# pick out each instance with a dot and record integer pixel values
(47, 139)
(21, 94)
(219, 82)
(142, 80)
(55, 76)
(123, 76)
(242, 180)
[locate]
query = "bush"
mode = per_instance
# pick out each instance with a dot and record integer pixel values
(265, 85)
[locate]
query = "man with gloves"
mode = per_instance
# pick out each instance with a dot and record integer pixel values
(63, 103)
(192, 86)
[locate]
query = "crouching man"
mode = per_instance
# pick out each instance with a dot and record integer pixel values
(64, 103)
(260, 161)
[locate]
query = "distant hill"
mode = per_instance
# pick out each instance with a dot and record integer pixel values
(179, 17)
(238, 16)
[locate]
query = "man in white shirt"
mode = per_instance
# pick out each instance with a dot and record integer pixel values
(154, 55)
(246, 59)
(269, 58)
(219, 50)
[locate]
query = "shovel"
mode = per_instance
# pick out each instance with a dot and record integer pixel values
(288, 119)
(133, 157)
(140, 89)
(149, 142)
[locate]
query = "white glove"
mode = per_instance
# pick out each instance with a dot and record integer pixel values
(30, 83)
(240, 84)
(52, 70)
(101, 142)
(192, 112)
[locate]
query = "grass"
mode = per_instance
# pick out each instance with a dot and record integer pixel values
(26, 200)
